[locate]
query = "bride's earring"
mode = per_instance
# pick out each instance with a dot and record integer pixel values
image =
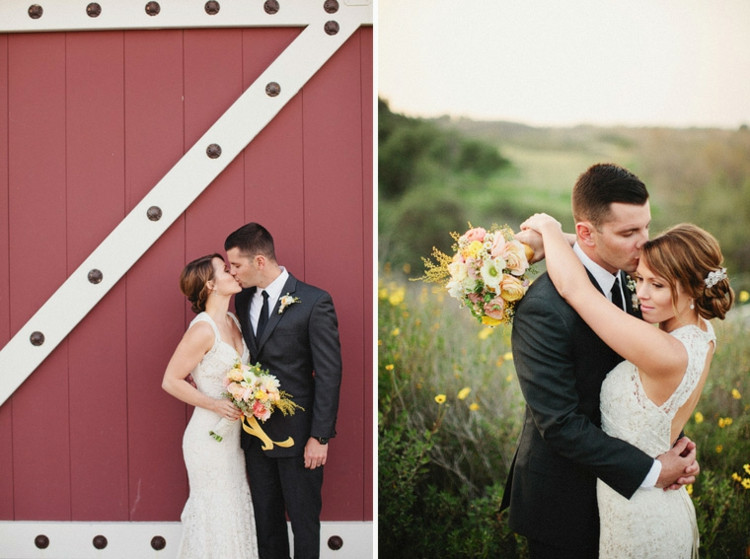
(692, 306)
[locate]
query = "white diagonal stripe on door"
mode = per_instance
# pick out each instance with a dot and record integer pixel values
(173, 194)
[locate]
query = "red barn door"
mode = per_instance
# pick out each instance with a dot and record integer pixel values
(125, 152)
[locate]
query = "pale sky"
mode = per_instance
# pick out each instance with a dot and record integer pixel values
(675, 63)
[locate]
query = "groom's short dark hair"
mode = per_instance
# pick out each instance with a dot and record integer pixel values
(252, 239)
(601, 185)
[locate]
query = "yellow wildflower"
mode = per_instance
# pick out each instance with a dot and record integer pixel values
(725, 422)
(389, 367)
(736, 477)
(474, 406)
(397, 296)
(744, 296)
(508, 356)
(484, 333)
(463, 393)
(746, 467)
(698, 417)
(440, 398)
(396, 332)
(746, 483)
(736, 394)
(719, 448)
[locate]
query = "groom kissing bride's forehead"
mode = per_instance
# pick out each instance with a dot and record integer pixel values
(612, 215)
(567, 339)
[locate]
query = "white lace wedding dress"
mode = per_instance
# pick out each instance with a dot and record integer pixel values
(654, 523)
(218, 519)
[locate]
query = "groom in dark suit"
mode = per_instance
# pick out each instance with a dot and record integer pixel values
(291, 329)
(561, 363)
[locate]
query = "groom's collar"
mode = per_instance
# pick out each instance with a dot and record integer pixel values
(603, 278)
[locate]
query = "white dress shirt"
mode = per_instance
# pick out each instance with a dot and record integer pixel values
(274, 292)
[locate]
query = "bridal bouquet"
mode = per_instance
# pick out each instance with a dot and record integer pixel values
(487, 272)
(256, 392)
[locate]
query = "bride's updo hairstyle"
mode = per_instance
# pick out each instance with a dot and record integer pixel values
(686, 255)
(194, 279)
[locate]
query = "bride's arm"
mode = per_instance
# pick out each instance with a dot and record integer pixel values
(653, 351)
(194, 344)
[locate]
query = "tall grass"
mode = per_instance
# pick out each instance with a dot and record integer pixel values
(450, 411)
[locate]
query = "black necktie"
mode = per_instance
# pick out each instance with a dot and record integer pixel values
(617, 293)
(263, 317)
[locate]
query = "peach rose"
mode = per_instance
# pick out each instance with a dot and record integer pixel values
(495, 308)
(260, 411)
(514, 254)
(512, 288)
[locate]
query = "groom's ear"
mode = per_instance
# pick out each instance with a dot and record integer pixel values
(585, 233)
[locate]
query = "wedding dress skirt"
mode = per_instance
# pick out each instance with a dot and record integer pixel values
(218, 520)
(654, 523)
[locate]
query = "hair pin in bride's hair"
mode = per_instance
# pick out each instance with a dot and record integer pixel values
(715, 277)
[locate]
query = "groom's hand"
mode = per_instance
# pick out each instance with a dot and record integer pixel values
(315, 454)
(679, 465)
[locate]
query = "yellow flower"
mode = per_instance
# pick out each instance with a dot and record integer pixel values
(719, 448)
(725, 422)
(389, 367)
(396, 332)
(472, 249)
(698, 417)
(509, 377)
(736, 394)
(746, 467)
(508, 356)
(406, 268)
(484, 333)
(489, 321)
(736, 477)
(744, 296)
(474, 406)
(397, 296)
(463, 393)
(746, 483)
(689, 488)
(440, 398)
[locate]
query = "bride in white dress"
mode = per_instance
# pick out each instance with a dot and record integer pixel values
(218, 519)
(648, 398)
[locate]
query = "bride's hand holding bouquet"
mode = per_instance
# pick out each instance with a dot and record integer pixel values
(256, 394)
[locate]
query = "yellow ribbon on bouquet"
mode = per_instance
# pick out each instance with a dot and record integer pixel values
(251, 426)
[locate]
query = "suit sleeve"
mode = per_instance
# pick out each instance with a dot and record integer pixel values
(326, 354)
(543, 356)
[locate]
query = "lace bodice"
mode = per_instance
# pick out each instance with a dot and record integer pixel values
(628, 414)
(652, 523)
(211, 373)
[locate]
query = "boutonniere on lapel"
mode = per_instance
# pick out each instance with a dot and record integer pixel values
(287, 300)
(633, 297)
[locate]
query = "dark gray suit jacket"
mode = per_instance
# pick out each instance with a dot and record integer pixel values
(301, 348)
(561, 363)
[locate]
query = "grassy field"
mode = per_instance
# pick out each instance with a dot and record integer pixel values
(450, 411)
